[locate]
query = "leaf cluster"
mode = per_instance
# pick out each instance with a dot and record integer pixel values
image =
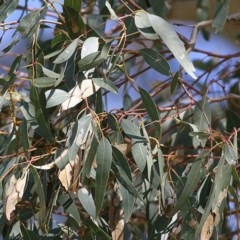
(75, 166)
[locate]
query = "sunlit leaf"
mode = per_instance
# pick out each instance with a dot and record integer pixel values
(56, 97)
(230, 154)
(104, 160)
(165, 30)
(144, 25)
(113, 14)
(86, 199)
(80, 92)
(13, 192)
(220, 184)
(67, 52)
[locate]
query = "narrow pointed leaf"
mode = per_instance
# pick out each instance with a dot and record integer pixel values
(151, 108)
(67, 53)
(30, 23)
(220, 15)
(39, 114)
(193, 178)
(56, 97)
(50, 73)
(155, 60)
(86, 200)
(44, 82)
(104, 161)
(39, 189)
(7, 8)
(145, 21)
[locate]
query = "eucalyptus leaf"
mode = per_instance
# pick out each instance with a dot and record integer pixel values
(220, 15)
(155, 60)
(151, 108)
(163, 29)
(86, 200)
(67, 52)
(56, 97)
(7, 8)
(104, 160)
(44, 82)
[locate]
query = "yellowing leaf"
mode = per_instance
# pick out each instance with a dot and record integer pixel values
(13, 193)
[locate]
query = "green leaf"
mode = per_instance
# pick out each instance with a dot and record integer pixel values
(7, 8)
(151, 108)
(89, 155)
(123, 172)
(44, 82)
(202, 115)
(40, 115)
(165, 30)
(104, 160)
(155, 60)
(50, 73)
(74, 22)
(23, 129)
(56, 97)
(140, 154)
(231, 154)
(131, 129)
(28, 234)
(104, 83)
(87, 202)
(90, 61)
(29, 24)
(193, 178)
(174, 83)
(39, 189)
(220, 15)
(127, 202)
(221, 182)
(144, 26)
(76, 5)
(12, 73)
(67, 52)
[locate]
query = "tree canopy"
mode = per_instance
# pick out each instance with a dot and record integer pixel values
(116, 125)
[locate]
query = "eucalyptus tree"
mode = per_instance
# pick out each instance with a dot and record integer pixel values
(110, 129)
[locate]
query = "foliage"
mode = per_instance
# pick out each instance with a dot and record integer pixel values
(75, 166)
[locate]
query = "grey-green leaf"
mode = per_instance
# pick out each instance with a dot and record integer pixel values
(86, 200)
(67, 53)
(220, 15)
(104, 161)
(193, 178)
(7, 8)
(44, 82)
(56, 97)
(151, 108)
(155, 60)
